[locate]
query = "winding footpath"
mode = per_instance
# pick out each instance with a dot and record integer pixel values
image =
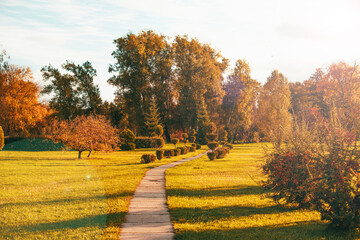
(148, 216)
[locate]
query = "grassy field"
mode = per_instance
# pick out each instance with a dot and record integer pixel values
(223, 199)
(53, 195)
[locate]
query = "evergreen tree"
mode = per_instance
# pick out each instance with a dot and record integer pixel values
(2, 138)
(152, 119)
(204, 123)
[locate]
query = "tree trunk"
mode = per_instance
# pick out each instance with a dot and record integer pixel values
(89, 153)
(79, 156)
(167, 134)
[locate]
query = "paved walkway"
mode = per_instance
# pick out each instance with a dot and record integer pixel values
(148, 217)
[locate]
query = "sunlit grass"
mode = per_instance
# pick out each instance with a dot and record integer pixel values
(53, 195)
(223, 199)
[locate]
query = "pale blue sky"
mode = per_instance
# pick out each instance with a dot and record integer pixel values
(295, 37)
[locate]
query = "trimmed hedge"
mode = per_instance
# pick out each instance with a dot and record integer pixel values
(127, 146)
(146, 142)
(148, 158)
(198, 146)
(127, 136)
(213, 145)
(177, 151)
(211, 155)
(169, 153)
(220, 153)
(159, 154)
(192, 149)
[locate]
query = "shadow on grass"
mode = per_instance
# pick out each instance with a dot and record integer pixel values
(195, 215)
(208, 192)
(301, 230)
(66, 200)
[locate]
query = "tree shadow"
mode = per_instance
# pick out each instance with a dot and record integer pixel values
(208, 192)
(301, 230)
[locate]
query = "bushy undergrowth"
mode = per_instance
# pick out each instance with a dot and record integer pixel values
(319, 168)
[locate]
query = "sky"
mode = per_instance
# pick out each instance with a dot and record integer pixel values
(294, 37)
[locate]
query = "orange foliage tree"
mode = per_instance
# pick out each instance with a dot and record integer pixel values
(19, 105)
(85, 133)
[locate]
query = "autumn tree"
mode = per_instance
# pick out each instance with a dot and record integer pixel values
(273, 108)
(143, 69)
(239, 101)
(73, 93)
(85, 133)
(340, 88)
(2, 138)
(19, 105)
(198, 69)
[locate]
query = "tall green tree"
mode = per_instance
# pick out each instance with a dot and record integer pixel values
(198, 69)
(143, 69)
(73, 93)
(152, 119)
(203, 123)
(241, 93)
(273, 108)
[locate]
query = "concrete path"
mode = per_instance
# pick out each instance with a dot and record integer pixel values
(148, 217)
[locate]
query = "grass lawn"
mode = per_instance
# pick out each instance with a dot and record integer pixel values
(222, 199)
(53, 195)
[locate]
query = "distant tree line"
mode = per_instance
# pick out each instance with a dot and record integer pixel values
(184, 82)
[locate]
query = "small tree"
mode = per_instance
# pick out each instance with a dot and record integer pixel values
(152, 119)
(127, 138)
(2, 138)
(85, 134)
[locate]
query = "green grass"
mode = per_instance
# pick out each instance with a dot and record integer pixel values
(223, 199)
(53, 195)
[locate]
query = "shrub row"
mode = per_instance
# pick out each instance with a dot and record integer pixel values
(218, 153)
(146, 142)
(127, 146)
(148, 158)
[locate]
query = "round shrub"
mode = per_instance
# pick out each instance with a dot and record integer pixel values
(128, 146)
(198, 146)
(127, 136)
(169, 153)
(159, 154)
(211, 137)
(182, 150)
(213, 145)
(211, 155)
(2, 138)
(227, 149)
(158, 143)
(192, 149)
(177, 151)
(220, 153)
(148, 158)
